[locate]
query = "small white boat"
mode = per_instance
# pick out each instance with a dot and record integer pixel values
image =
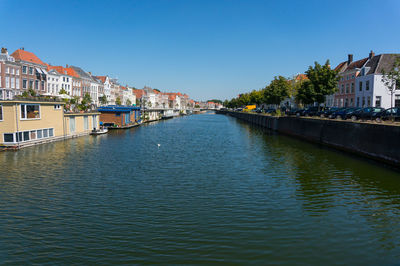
(99, 132)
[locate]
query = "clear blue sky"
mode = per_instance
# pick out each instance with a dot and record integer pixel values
(208, 49)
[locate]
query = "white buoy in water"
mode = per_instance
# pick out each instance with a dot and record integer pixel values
(158, 145)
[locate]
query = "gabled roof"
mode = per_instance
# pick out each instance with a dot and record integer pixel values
(102, 78)
(139, 93)
(81, 72)
(22, 55)
(357, 64)
(341, 67)
(382, 62)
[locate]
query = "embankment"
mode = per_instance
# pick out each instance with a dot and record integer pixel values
(376, 141)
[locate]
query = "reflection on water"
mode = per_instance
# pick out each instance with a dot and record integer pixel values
(215, 190)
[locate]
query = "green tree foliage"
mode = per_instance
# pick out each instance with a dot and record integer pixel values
(306, 93)
(103, 100)
(62, 91)
(128, 102)
(322, 81)
(118, 101)
(277, 90)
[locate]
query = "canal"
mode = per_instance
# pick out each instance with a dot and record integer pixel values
(215, 190)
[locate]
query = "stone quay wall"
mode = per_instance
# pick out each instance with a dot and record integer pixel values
(376, 141)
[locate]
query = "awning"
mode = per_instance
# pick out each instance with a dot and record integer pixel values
(44, 71)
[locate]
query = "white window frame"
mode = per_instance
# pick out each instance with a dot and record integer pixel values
(40, 112)
(57, 107)
(15, 135)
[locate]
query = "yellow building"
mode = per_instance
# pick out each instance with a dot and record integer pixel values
(25, 123)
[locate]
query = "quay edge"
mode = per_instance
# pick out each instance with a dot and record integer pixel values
(379, 142)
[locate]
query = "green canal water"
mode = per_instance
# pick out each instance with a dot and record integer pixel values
(216, 190)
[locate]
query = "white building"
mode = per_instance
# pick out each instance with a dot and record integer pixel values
(370, 90)
(10, 76)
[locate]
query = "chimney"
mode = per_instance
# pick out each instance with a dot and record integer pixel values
(349, 59)
(371, 54)
(4, 50)
(66, 66)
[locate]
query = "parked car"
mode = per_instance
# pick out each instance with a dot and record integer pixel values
(388, 114)
(270, 110)
(350, 113)
(258, 110)
(342, 113)
(322, 111)
(291, 111)
(309, 111)
(366, 113)
(330, 111)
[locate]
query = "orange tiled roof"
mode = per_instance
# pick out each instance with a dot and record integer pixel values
(138, 93)
(301, 77)
(172, 97)
(22, 55)
(102, 78)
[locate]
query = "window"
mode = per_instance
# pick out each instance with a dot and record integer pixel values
(360, 86)
(30, 111)
(45, 133)
(8, 137)
(51, 132)
(1, 112)
(352, 76)
(67, 79)
(30, 70)
(36, 84)
(13, 83)
(57, 107)
(368, 101)
(342, 89)
(85, 123)
(63, 79)
(17, 72)
(43, 86)
(24, 69)
(30, 84)
(363, 101)
(72, 124)
(397, 100)
(17, 83)
(39, 133)
(26, 135)
(7, 70)
(24, 83)
(378, 100)
(352, 87)
(7, 82)
(33, 134)
(367, 85)
(347, 88)
(12, 71)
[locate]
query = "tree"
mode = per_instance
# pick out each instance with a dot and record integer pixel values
(85, 103)
(103, 100)
(128, 102)
(277, 90)
(62, 91)
(306, 93)
(391, 79)
(118, 101)
(137, 102)
(256, 97)
(323, 80)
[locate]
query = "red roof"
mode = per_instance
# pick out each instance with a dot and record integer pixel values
(22, 55)
(64, 70)
(102, 78)
(139, 93)
(172, 97)
(301, 77)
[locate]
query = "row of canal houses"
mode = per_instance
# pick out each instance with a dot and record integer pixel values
(360, 83)
(23, 70)
(48, 116)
